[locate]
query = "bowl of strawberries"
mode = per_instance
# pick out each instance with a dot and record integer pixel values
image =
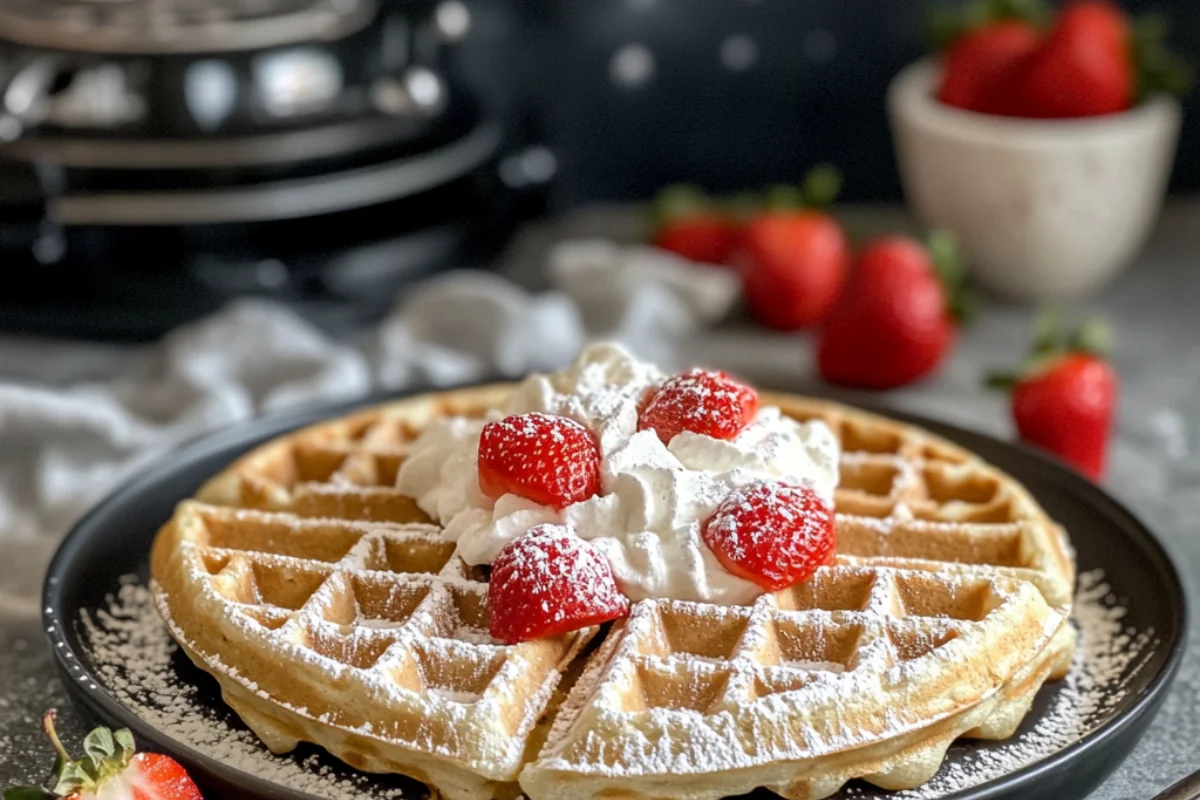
(1043, 141)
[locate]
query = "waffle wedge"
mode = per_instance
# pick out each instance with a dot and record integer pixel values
(945, 612)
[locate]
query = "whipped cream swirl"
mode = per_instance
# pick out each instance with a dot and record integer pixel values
(654, 498)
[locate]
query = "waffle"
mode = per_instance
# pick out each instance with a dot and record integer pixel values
(946, 610)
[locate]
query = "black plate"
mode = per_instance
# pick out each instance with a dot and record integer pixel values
(114, 540)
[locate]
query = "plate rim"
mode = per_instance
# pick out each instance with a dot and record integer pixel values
(249, 433)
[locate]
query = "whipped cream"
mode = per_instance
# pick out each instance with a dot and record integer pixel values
(654, 497)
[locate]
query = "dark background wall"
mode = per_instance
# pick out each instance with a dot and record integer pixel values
(730, 94)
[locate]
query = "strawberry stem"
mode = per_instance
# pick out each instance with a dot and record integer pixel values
(821, 186)
(1159, 70)
(678, 201)
(1093, 336)
(946, 23)
(48, 727)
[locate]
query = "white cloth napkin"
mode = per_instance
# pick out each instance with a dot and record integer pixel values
(62, 448)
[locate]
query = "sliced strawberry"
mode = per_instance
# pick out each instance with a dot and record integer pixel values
(549, 582)
(700, 401)
(772, 534)
(550, 460)
(110, 771)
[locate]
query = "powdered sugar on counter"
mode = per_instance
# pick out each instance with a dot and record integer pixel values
(137, 662)
(655, 496)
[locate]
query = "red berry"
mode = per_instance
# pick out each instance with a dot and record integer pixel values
(978, 65)
(550, 460)
(705, 237)
(772, 534)
(1084, 68)
(794, 267)
(112, 771)
(700, 401)
(892, 325)
(549, 582)
(1067, 408)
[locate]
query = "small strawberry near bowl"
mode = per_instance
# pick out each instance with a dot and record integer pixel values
(1044, 142)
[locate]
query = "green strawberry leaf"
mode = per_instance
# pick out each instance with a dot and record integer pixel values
(1047, 333)
(26, 793)
(821, 186)
(783, 197)
(1093, 336)
(125, 744)
(678, 201)
(1159, 70)
(947, 261)
(72, 778)
(946, 23)
(99, 744)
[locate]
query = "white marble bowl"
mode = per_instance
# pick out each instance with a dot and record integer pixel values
(1043, 209)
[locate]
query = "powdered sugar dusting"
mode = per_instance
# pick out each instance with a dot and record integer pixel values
(1109, 655)
(137, 661)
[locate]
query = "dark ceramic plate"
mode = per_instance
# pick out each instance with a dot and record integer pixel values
(114, 539)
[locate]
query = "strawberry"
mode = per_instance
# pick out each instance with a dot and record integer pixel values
(550, 460)
(549, 582)
(897, 318)
(1063, 400)
(793, 267)
(110, 771)
(1084, 68)
(977, 66)
(700, 401)
(772, 534)
(691, 225)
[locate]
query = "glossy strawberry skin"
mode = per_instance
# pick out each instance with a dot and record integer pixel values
(550, 460)
(772, 534)
(793, 266)
(891, 326)
(1084, 68)
(977, 66)
(550, 582)
(705, 238)
(701, 401)
(1067, 408)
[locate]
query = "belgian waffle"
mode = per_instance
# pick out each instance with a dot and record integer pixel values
(945, 612)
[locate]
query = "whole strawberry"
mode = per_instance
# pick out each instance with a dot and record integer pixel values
(690, 224)
(1064, 398)
(111, 770)
(976, 67)
(1085, 67)
(794, 255)
(898, 316)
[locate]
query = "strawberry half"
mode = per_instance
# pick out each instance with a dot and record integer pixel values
(1064, 399)
(550, 460)
(772, 534)
(549, 582)
(700, 401)
(111, 770)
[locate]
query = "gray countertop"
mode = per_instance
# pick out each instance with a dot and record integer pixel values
(1155, 468)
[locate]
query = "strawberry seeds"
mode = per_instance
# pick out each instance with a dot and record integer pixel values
(551, 581)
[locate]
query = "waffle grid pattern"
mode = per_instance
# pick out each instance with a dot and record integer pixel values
(936, 551)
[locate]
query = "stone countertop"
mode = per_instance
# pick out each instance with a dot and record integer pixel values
(1155, 468)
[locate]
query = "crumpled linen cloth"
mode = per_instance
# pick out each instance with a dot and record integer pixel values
(63, 447)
